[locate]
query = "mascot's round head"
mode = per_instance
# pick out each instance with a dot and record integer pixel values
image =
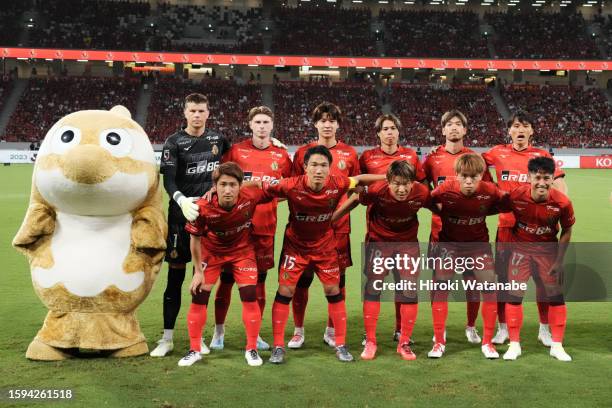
(96, 162)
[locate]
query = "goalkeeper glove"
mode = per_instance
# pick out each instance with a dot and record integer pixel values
(188, 206)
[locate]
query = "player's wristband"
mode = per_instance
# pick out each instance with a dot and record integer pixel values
(352, 183)
(177, 196)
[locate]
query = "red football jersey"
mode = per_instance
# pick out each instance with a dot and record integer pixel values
(390, 220)
(511, 169)
(539, 222)
(223, 231)
(440, 167)
(269, 164)
(310, 228)
(345, 163)
(463, 217)
(376, 161)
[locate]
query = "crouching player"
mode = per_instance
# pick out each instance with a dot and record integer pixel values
(464, 204)
(221, 239)
(535, 251)
(309, 242)
(393, 224)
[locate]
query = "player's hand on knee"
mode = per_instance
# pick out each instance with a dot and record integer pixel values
(189, 208)
(196, 283)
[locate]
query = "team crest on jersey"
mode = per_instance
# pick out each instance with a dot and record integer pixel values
(333, 203)
(483, 208)
(342, 165)
(215, 150)
(173, 254)
(274, 166)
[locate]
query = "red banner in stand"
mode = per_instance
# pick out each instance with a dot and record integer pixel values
(596, 162)
(276, 60)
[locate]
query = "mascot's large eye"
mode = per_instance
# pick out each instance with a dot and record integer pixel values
(113, 138)
(64, 138)
(117, 141)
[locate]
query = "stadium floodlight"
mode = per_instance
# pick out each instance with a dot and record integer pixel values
(82, 60)
(224, 65)
(331, 1)
(357, 1)
(511, 4)
(48, 59)
(253, 65)
(383, 1)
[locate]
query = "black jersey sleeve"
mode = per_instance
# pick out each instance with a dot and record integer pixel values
(169, 162)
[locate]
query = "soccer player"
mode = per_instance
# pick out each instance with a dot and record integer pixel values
(310, 243)
(464, 205)
(538, 210)
(188, 160)
(221, 238)
(510, 162)
(377, 161)
(439, 167)
(260, 160)
(327, 119)
(392, 208)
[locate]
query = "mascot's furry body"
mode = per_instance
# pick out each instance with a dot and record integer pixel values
(94, 233)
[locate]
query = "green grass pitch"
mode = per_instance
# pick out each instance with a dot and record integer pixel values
(312, 376)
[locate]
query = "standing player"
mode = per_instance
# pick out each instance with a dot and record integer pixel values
(465, 204)
(440, 167)
(327, 119)
(309, 242)
(260, 160)
(377, 161)
(221, 238)
(510, 162)
(392, 208)
(189, 157)
(538, 210)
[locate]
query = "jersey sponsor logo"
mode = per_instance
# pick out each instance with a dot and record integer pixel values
(203, 166)
(331, 270)
(233, 231)
(241, 206)
(212, 137)
(330, 192)
(396, 219)
(258, 176)
(553, 208)
(466, 220)
(483, 197)
(534, 229)
(313, 218)
(507, 175)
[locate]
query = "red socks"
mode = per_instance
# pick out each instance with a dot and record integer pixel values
(337, 312)
(196, 320)
(280, 314)
(514, 316)
(472, 312)
(408, 315)
(223, 298)
(439, 313)
(557, 318)
(398, 316)
(251, 317)
(371, 311)
(489, 317)
(260, 292)
(330, 322)
(299, 302)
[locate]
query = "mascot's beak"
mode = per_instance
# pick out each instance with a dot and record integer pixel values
(88, 164)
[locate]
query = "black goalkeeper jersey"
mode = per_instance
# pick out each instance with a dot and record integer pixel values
(188, 162)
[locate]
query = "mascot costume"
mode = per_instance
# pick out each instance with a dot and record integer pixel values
(94, 234)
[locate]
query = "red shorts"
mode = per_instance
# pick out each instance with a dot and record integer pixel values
(522, 265)
(343, 246)
(293, 263)
(264, 251)
(450, 260)
(241, 265)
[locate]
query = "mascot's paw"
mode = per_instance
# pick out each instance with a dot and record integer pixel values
(37, 350)
(137, 349)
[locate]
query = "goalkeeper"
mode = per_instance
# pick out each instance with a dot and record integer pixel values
(188, 160)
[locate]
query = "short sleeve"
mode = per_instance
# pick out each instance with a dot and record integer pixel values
(298, 164)
(420, 172)
(489, 157)
(567, 215)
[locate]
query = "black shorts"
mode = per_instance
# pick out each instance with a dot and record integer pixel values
(177, 243)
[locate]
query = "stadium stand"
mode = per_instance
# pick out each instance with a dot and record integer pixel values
(47, 100)
(420, 108)
(294, 102)
(322, 30)
(541, 35)
(433, 34)
(565, 116)
(229, 105)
